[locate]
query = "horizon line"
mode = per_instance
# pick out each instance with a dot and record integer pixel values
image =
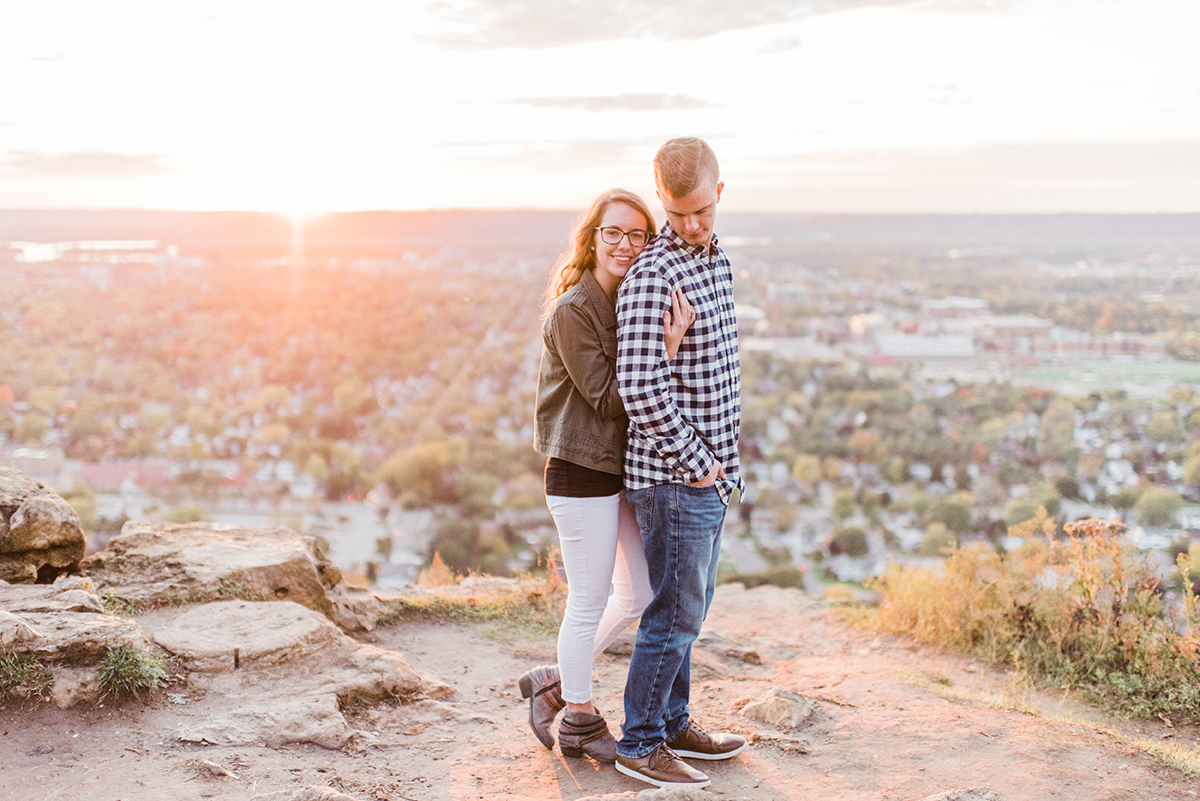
(310, 214)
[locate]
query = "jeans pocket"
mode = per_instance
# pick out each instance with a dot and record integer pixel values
(641, 501)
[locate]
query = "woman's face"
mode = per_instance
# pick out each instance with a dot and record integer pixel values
(613, 261)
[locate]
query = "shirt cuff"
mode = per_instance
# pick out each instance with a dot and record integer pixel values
(697, 465)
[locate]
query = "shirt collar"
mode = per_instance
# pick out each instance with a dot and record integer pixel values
(677, 241)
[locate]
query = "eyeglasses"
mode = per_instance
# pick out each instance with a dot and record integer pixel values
(613, 236)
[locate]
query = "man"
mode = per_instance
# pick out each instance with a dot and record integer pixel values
(681, 461)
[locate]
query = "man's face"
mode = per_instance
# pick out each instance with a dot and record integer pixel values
(692, 216)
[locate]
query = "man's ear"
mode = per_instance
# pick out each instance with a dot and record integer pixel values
(720, 186)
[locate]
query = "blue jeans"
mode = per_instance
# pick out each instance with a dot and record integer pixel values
(681, 530)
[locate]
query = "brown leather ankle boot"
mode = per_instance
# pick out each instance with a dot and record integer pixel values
(544, 691)
(583, 734)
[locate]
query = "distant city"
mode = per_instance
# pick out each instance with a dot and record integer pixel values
(909, 382)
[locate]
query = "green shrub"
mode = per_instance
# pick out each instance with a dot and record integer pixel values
(919, 504)
(779, 576)
(851, 541)
(1157, 507)
(23, 675)
(1126, 497)
(843, 504)
(1067, 487)
(785, 576)
(954, 511)
(775, 556)
(937, 539)
(1018, 510)
(1083, 613)
(125, 671)
(187, 514)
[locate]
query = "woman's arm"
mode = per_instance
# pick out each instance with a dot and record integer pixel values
(676, 322)
(590, 369)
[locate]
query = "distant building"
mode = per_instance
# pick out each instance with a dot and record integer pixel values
(100, 251)
(918, 346)
(1080, 344)
(954, 306)
(120, 474)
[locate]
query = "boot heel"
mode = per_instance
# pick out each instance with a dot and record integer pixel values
(526, 685)
(570, 751)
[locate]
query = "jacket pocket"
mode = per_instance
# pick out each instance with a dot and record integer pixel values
(608, 343)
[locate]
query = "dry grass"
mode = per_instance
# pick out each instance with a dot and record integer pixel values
(1084, 613)
(23, 675)
(528, 604)
(126, 672)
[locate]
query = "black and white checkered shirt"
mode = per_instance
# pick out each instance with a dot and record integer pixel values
(685, 412)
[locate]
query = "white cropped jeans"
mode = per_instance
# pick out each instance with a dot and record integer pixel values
(601, 548)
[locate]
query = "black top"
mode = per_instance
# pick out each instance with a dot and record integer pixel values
(569, 480)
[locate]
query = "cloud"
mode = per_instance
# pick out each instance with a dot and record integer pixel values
(552, 156)
(24, 163)
(625, 102)
(535, 24)
(1035, 177)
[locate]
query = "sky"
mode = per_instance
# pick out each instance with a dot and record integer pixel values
(857, 106)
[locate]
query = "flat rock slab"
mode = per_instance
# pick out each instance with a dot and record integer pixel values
(65, 627)
(293, 673)
(62, 622)
(65, 595)
(197, 562)
(225, 635)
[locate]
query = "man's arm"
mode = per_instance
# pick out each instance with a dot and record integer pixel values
(644, 377)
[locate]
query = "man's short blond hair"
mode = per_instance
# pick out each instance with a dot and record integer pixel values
(682, 164)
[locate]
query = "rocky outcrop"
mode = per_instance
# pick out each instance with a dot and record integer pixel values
(65, 627)
(248, 613)
(165, 565)
(40, 536)
(284, 671)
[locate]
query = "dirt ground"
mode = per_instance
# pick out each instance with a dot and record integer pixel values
(894, 720)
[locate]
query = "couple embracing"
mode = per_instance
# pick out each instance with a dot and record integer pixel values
(638, 408)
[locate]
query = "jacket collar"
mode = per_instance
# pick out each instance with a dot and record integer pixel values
(606, 309)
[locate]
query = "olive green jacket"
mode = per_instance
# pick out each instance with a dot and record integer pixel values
(579, 415)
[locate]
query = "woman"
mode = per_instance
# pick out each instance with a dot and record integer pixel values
(580, 424)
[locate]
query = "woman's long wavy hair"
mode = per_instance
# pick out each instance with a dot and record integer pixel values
(580, 257)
